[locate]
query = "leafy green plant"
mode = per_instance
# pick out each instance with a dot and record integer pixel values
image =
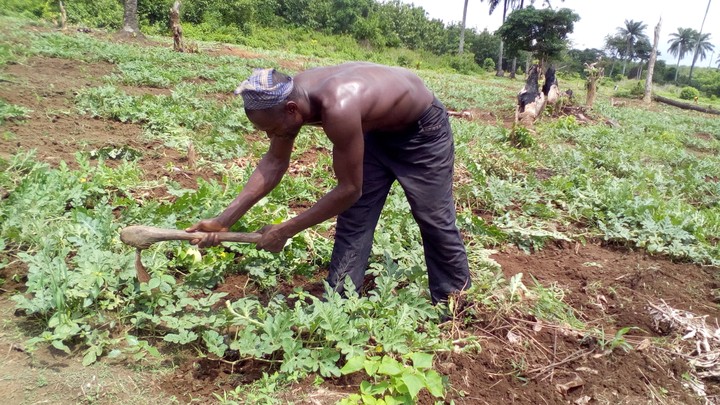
(12, 112)
(392, 381)
(689, 93)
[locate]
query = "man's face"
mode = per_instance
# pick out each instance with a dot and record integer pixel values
(278, 122)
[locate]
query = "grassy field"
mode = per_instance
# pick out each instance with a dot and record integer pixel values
(570, 236)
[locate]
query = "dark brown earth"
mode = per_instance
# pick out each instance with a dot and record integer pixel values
(608, 287)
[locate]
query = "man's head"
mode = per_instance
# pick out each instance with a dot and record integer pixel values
(271, 102)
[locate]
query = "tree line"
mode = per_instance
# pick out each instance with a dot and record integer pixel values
(527, 33)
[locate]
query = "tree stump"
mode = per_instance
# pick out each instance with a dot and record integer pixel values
(178, 44)
(63, 16)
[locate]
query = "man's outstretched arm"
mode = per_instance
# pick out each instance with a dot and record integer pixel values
(348, 151)
(265, 178)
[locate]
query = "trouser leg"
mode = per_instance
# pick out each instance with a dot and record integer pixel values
(424, 168)
(356, 226)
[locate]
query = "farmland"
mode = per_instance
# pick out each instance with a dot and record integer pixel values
(575, 233)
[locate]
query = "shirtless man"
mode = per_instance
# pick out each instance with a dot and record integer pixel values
(385, 125)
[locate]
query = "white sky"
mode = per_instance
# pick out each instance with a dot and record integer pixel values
(599, 18)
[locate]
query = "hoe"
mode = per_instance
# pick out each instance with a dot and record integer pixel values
(141, 237)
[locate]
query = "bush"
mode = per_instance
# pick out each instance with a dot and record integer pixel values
(489, 64)
(689, 93)
(638, 89)
(464, 63)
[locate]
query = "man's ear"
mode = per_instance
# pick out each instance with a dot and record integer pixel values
(291, 107)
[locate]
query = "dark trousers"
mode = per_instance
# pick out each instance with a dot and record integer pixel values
(421, 159)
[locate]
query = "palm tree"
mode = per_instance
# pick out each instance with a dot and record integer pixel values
(615, 47)
(462, 29)
(680, 44)
(493, 5)
(697, 46)
(702, 47)
(632, 32)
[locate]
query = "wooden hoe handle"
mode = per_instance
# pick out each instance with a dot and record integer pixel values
(142, 237)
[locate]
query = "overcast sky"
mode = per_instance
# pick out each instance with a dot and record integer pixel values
(599, 18)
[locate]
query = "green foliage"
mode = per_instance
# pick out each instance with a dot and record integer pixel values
(542, 32)
(96, 13)
(689, 93)
(489, 65)
(12, 112)
(464, 63)
(311, 334)
(520, 137)
(394, 382)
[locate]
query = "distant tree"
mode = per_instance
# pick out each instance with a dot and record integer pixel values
(631, 32)
(614, 49)
(702, 47)
(718, 61)
(493, 5)
(576, 59)
(681, 43)
(542, 32)
(483, 45)
(697, 44)
(462, 29)
(643, 50)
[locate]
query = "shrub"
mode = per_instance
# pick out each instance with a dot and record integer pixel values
(464, 63)
(489, 65)
(689, 93)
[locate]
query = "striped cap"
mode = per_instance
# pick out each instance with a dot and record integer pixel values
(259, 92)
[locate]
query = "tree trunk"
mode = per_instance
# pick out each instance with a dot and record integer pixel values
(697, 45)
(591, 92)
(462, 29)
(677, 66)
(651, 65)
(685, 106)
(63, 16)
(513, 68)
(500, 71)
(178, 45)
(593, 75)
(131, 27)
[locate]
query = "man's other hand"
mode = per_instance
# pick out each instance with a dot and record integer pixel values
(210, 226)
(273, 238)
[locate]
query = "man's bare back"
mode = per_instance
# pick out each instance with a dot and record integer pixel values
(387, 98)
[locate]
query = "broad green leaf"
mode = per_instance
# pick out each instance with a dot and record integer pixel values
(371, 366)
(353, 364)
(434, 383)
(390, 366)
(369, 400)
(390, 400)
(422, 361)
(60, 346)
(413, 382)
(89, 358)
(377, 389)
(154, 283)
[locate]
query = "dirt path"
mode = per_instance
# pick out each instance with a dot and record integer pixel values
(49, 376)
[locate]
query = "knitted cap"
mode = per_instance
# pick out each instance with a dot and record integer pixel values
(260, 92)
